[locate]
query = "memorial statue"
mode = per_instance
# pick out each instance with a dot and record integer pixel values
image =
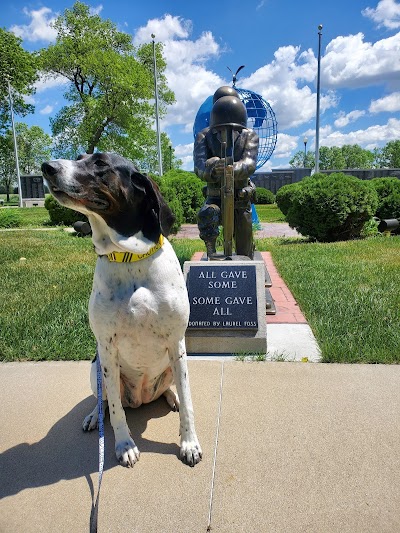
(225, 156)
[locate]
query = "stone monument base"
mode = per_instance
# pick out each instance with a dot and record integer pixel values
(227, 303)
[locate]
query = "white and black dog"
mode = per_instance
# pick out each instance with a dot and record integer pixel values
(139, 307)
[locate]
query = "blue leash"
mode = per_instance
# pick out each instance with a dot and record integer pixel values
(95, 509)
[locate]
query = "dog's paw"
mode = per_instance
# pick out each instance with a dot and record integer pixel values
(191, 453)
(91, 421)
(172, 399)
(127, 452)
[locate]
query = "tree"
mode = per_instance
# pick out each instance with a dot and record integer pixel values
(297, 160)
(389, 155)
(357, 157)
(18, 67)
(111, 84)
(148, 160)
(331, 158)
(34, 147)
(8, 174)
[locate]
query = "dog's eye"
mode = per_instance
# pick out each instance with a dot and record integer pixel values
(100, 163)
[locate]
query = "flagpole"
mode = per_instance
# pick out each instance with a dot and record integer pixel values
(15, 145)
(318, 100)
(160, 168)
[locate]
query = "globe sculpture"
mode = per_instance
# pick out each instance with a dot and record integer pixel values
(261, 119)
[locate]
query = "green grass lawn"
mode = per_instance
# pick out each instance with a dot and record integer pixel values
(270, 213)
(349, 292)
(32, 217)
(44, 297)
(13, 199)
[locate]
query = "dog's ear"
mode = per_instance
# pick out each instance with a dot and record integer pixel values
(82, 156)
(158, 208)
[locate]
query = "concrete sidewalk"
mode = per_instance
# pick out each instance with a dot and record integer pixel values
(302, 448)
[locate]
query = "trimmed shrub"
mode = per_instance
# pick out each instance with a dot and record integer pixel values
(61, 215)
(388, 190)
(264, 196)
(187, 188)
(176, 207)
(332, 208)
(284, 196)
(9, 218)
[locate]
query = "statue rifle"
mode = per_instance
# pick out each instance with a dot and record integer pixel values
(227, 193)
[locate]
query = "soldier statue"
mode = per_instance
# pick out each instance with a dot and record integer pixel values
(225, 155)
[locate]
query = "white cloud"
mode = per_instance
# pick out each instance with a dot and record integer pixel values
(164, 29)
(47, 110)
(345, 119)
(372, 136)
(286, 83)
(184, 152)
(351, 62)
(186, 73)
(285, 145)
(50, 82)
(96, 10)
(386, 14)
(39, 29)
(390, 103)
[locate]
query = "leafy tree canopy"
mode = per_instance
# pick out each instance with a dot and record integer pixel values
(347, 156)
(389, 155)
(111, 85)
(18, 67)
(34, 147)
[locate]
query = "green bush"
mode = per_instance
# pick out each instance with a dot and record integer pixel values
(9, 218)
(388, 190)
(61, 215)
(264, 196)
(176, 207)
(187, 188)
(284, 196)
(332, 208)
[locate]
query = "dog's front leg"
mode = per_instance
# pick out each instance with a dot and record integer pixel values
(125, 447)
(190, 452)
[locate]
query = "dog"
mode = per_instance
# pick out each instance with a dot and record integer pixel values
(139, 307)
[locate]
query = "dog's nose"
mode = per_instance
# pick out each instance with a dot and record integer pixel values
(50, 168)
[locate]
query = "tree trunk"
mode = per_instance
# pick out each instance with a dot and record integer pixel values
(97, 135)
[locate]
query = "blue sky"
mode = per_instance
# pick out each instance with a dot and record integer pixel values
(277, 40)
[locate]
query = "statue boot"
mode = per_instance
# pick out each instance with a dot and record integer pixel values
(211, 246)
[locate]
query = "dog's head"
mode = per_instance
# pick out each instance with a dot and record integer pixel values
(110, 186)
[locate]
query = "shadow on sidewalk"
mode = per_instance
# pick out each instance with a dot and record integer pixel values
(67, 452)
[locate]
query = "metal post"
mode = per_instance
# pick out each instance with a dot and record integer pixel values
(170, 155)
(318, 100)
(15, 145)
(305, 140)
(160, 169)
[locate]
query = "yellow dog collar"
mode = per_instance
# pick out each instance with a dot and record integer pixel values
(128, 257)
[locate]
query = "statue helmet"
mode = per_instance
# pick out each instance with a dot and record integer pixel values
(225, 90)
(228, 111)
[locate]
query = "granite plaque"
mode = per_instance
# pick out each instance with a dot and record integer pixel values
(32, 187)
(222, 297)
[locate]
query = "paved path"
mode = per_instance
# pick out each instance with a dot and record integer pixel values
(302, 447)
(272, 229)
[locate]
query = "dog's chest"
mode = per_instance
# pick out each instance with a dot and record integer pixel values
(144, 307)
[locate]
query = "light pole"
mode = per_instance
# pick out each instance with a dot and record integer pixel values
(15, 145)
(318, 100)
(170, 154)
(305, 140)
(160, 169)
